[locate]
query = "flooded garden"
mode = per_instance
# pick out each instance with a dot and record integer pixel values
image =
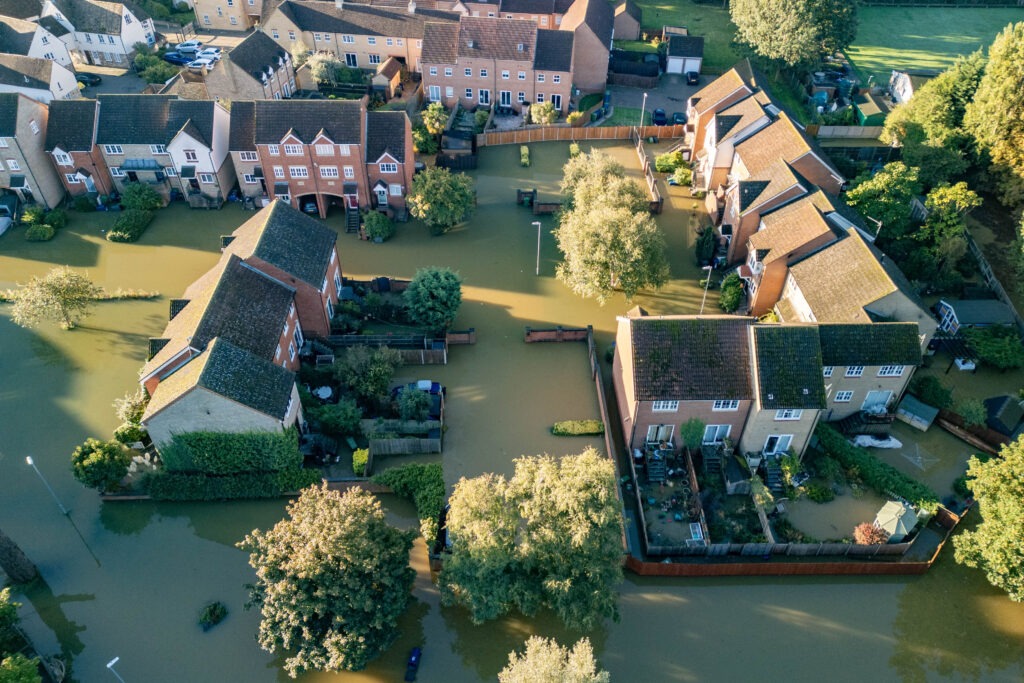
(128, 579)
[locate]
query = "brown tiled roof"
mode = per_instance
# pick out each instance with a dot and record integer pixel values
(493, 38)
(70, 125)
(788, 367)
(708, 97)
(339, 120)
(385, 133)
(691, 358)
(554, 50)
(361, 20)
(389, 68)
(26, 72)
(737, 117)
(792, 226)
(598, 15)
(440, 43)
(778, 140)
(870, 344)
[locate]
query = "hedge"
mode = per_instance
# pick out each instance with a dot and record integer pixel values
(360, 458)
(880, 476)
(219, 453)
(39, 232)
(130, 225)
(424, 486)
(182, 486)
(578, 428)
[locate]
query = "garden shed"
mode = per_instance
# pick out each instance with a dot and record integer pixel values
(685, 54)
(870, 108)
(896, 518)
(972, 313)
(388, 78)
(1004, 414)
(915, 413)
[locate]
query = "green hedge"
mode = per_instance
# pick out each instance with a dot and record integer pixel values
(182, 486)
(219, 453)
(130, 225)
(39, 232)
(360, 457)
(578, 428)
(424, 486)
(880, 476)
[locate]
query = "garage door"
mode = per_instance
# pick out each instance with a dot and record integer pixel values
(674, 65)
(692, 65)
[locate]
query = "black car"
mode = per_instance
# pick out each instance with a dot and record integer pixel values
(678, 118)
(88, 79)
(311, 208)
(692, 78)
(659, 118)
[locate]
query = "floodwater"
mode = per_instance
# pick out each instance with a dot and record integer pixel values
(128, 580)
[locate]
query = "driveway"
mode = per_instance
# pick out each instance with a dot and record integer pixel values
(670, 95)
(122, 81)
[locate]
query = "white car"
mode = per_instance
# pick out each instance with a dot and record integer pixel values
(209, 53)
(189, 47)
(198, 64)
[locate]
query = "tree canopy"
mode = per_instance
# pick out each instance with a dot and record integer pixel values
(332, 578)
(441, 199)
(100, 464)
(433, 298)
(995, 116)
(62, 295)
(548, 537)
(367, 372)
(994, 546)
(435, 118)
(997, 345)
(885, 197)
(794, 31)
(545, 661)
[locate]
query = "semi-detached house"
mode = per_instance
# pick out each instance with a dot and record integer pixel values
(30, 39)
(39, 78)
(99, 32)
(25, 169)
(71, 144)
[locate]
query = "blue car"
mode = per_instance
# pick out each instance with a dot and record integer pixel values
(177, 58)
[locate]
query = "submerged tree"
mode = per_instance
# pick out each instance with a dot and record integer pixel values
(441, 199)
(62, 295)
(545, 661)
(14, 562)
(433, 298)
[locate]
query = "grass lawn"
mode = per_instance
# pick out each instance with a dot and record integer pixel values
(626, 116)
(922, 37)
(710, 21)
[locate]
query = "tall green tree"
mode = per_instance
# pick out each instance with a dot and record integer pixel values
(997, 345)
(441, 199)
(62, 295)
(332, 578)
(995, 546)
(100, 464)
(435, 118)
(433, 298)
(17, 668)
(794, 32)
(885, 197)
(549, 537)
(595, 168)
(995, 117)
(366, 371)
(545, 661)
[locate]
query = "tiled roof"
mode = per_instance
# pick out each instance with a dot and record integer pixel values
(16, 35)
(133, 119)
(21, 9)
(778, 140)
(385, 133)
(440, 43)
(362, 20)
(598, 15)
(288, 239)
(792, 226)
(71, 125)
(982, 312)
(528, 6)
(93, 16)
(628, 7)
(242, 135)
(686, 46)
(390, 68)
(26, 72)
(233, 373)
(554, 50)
(689, 358)
(493, 38)
(708, 97)
(255, 53)
(338, 119)
(869, 344)
(8, 114)
(788, 366)
(194, 117)
(51, 24)
(739, 116)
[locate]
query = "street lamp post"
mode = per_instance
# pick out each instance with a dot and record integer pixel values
(110, 665)
(643, 108)
(32, 464)
(707, 282)
(537, 223)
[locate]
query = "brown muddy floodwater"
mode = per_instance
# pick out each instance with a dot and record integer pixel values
(128, 580)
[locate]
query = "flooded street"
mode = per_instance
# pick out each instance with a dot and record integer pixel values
(128, 579)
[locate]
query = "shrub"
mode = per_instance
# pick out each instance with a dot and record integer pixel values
(524, 155)
(100, 464)
(574, 150)
(220, 453)
(867, 533)
(424, 486)
(578, 428)
(682, 175)
(575, 118)
(998, 346)
(368, 372)
(139, 197)
(130, 225)
(84, 204)
(341, 418)
(413, 404)
(881, 477)
(378, 226)
(480, 119)
(129, 433)
(732, 293)
(360, 458)
(32, 214)
(131, 406)
(57, 218)
(820, 493)
(212, 614)
(39, 232)
(190, 486)
(929, 389)
(544, 113)
(705, 245)
(11, 639)
(973, 411)
(828, 468)
(423, 141)
(668, 162)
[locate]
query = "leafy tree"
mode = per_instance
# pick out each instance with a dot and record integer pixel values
(885, 197)
(998, 345)
(100, 464)
(131, 407)
(341, 418)
(140, 197)
(973, 411)
(931, 390)
(594, 169)
(17, 668)
(544, 113)
(413, 404)
(14, 562)
(995, 116)
(794, 31)
(423, 141)
(705, 246)
(158, 71)
(549, 537)
(995, 545)
(331, 581)
(691, 433)
(867, 533)
(435, 118)
(545, 661)
(378, 226)
(368, 371)
(300, 53)
(732, 293)
(62, 295)
(324, 67)
(441, 199)
(10, 639)
(433, 298)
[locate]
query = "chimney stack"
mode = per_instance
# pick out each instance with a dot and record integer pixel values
(340, 4)
(412, 6)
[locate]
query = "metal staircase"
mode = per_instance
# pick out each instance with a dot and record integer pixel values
(351, 221)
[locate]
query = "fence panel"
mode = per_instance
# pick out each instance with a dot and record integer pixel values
(404, 446)
(564, 133)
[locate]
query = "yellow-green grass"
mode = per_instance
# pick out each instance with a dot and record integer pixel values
(710, 21)
(922, 37)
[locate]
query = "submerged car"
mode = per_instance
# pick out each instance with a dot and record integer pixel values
(189, 47)
(678, 118)
(8, 211)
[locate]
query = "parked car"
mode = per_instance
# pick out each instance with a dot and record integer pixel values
(678, 118)
(88, 79)
(189, 47)
(311, 208)
(692, 78)
(658, 117)
(177, 58)
(198, 64)
(213, 53)
(8, 211)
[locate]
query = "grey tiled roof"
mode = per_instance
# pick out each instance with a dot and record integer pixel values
(691, 358)
(686, 46)
(70, 125)
(596, 14)
(554, 50)
(92, 16)
(21, 9)
(26, 72)
(288, 239)
(385, 132)
(50, 23)
(133, 119)
(242, 135)
(8, 114)
(338, 119)
(789, 366)
(16, 35)
(193, 116)
(362, 20)
(869, 344)
(256, 53)
(528, 6)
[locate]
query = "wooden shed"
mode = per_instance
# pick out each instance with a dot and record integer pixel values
(388, 78)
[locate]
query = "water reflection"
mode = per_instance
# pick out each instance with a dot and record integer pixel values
(49, 608)
(126, 518)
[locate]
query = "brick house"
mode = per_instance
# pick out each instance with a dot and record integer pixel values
(256, 69)
(229, 15)
(234, 301)
(390, 160)
(71, 144)
(299, 251)
(99, 32)
(40, 78)
(627, 21)
(738, 83)
(25, 168)
(592, 23)
(504, 62)
(30, 39)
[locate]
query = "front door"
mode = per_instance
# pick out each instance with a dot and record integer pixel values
(26, 195)
(506, 98)
(193, 184)
(133, 177)
(876, 401)
(485, 96)
(382, 196)
(351, 202)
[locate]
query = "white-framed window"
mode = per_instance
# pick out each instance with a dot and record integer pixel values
(297, 336)
(293, 150)
(716, 433)
(62, 159)
(298, 171)
(344, 150)
(291, 351)
(327, 37)
(665, 406)
(291, 35)
(522, 75)
(419, 43)
(273, 150)
(328, 171)
(33, 126)
(349, 172)
(371, 40)
(389, 41)
(273, 33)
(659, 433)
(556, 79)
(169, 170)
(433, 71)
(112, 149)
(157, 149)
(46, 41)
(788, 414)
(249, 179)
(206, 178)
(13, 165)
(374, 59)
(279, 171)
(469, 93)
(388, 168)
(505, 75)
(890, 371)
(277, 353)
(540, 97)
(540, 78)
(855, 371)
(827, 371)
(844, 396)
(777, 443)
(220, 13)
(248, 156)
(190, 155)
(316, 37)
(448, 71)
(233, 19)
(449, 91)
(484, 96)
(395, 190)
(3, 143)
(116, 172)
(483, 73)
(72, 178)
(325, 150)
(522, 97)
(720, 406)
(399, 42)
(468, 72)
(330, 309)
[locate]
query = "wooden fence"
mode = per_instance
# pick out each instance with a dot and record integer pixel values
(564, 133)
(867, 132)
(404, 446)
(371, 425)
(461, 337)
(424, 356)
(991, 280)
(557, 334)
